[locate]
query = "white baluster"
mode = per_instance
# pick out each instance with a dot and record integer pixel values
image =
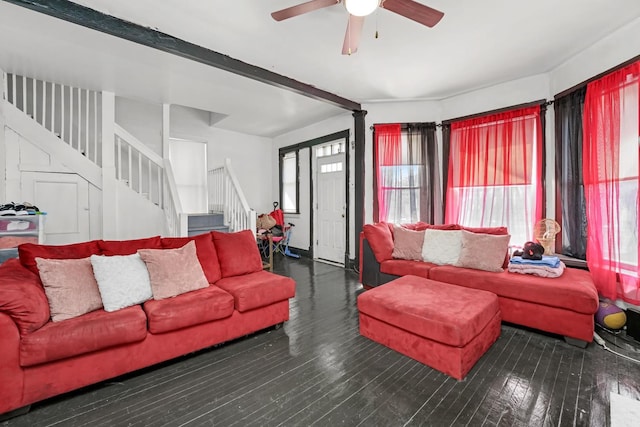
(130, 161)
(34, 110)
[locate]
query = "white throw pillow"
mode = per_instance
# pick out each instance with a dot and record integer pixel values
(123, 280)
(442, 246)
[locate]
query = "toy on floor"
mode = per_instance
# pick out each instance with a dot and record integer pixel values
(610, 316)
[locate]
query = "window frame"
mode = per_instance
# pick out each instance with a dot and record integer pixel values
(282, 155)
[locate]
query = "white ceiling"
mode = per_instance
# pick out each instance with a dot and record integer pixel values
(477, 44)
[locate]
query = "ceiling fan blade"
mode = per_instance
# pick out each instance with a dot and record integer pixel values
(352, 36)
(420, 13)
(302, 8)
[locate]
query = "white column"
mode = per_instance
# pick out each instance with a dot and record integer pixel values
(109, 189)
(3, 150)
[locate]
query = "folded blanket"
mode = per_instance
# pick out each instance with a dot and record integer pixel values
(550, 261)
(537, 270)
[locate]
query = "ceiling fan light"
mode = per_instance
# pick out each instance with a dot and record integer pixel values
(361, 7)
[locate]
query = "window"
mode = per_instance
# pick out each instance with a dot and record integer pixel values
(407, 175)
(495, 172)
(330, 149)
(289, 188)
(611, 174)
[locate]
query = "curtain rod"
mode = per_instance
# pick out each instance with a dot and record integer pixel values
(546, 103)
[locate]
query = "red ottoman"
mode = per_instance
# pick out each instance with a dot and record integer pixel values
(444, 326)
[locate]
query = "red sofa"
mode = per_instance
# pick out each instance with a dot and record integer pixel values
(565, 305)
(40, 358)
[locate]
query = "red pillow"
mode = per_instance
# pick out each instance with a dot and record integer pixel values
(22, 297)
(29, 251)
(499, 231)
(128, 247)
(380, 239)
(237, 252)
(205, 250)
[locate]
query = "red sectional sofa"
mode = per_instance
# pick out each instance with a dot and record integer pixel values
(40, 358)
(565, 305)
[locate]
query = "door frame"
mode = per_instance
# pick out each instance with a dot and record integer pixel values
(313, 163)
(344, 134)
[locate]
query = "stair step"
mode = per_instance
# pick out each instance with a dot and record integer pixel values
(203, 223)
(205, 220)
(196, 231)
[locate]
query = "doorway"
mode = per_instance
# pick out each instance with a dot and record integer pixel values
(330, 208)
(65, 198)
(189, 164)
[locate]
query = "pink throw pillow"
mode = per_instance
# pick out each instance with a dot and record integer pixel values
(70, 286)
(407, 244)
(205, 249)
(238, 252)
(483, 251)
(173, 271)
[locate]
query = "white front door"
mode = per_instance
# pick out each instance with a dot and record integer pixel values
(330, 208)
(65, 199)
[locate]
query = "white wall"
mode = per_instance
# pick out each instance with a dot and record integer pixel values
(137, 217)
(142, 120)
(603, 55)
(250, 155)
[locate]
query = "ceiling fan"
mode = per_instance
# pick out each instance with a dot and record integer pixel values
(358, 9)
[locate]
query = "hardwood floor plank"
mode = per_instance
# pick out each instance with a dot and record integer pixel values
(318, 370)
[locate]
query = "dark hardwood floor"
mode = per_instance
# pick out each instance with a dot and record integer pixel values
(318, 370)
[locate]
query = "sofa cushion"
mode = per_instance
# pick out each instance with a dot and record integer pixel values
(442, 246)
(421, 226)
(237, 252)
(123, 280)
(258, 289)
(498, 231)
(380, 239)
(407, 244)
(22, 297)
(28, 252)
(192, 308)
(402, 267)
(483, 251)
(70, 287)
(205, 249)
(173, 271)
(128, 247)
(90, 332)
(574, 290)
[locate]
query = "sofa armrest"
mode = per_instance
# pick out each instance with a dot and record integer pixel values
(11, 374)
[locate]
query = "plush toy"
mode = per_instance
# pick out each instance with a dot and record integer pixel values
(610, 316)
(532, 250)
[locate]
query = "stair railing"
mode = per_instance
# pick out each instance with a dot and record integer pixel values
(176, 220)
(138, 167)
(72, 114)
(226, 196)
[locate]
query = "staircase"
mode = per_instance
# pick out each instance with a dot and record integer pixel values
(68, 124)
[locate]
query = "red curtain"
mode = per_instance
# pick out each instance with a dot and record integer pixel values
(610, 169)
(387, 151)
(495, 165)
